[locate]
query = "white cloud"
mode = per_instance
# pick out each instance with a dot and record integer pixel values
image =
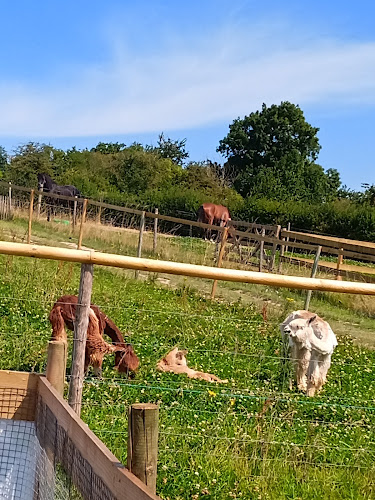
(221, 78)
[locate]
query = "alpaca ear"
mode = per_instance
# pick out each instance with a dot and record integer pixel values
(313, 318)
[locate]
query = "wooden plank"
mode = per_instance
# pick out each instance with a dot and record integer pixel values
(333, 265)
(122, 483)
(271, 240)
(365, 247)
(184, 221)
(18, 392)
(115, 207)
(253, 225)
(168, 267)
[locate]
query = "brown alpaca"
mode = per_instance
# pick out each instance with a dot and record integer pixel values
(175, 362)
(63, 314)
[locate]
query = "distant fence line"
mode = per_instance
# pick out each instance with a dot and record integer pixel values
(262, 236)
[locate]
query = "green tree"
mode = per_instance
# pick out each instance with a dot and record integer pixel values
(273, 146)
(3, 161)
(172, 150)
(108, 147)
(28, 160)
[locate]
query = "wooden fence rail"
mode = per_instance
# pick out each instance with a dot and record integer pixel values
(159, 266)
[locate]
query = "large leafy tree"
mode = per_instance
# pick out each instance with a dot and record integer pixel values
(272, 153)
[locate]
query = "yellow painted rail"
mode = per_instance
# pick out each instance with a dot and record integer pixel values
(159, 266)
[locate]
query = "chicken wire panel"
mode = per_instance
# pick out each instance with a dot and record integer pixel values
(70, 467)
(18, 457)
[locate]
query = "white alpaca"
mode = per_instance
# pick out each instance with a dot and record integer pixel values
(311, 343)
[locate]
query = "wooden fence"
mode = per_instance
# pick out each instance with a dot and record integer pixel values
(261, 240)
(95, 472)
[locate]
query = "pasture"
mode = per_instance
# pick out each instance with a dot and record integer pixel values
(250, 438)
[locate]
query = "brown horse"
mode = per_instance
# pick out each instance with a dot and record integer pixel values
(216, 215)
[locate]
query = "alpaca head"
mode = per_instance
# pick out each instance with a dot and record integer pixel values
(299, 330)
(126, 359)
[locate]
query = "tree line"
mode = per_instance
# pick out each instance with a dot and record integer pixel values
(269, 174)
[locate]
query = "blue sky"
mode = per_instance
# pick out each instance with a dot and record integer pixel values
(75, 73)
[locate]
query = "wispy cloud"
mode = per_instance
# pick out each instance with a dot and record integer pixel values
(190, 85)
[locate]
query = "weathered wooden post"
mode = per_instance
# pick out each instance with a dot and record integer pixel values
(10, 199)
(140, 239)
(56, 364)
(313, 274)
(75, 212)
(155, 230)
(282, 251)
(39, 202)
(261, 251)
(143, 442)
(79, 340)
(340, 259)
(287, 238)
(220, 259)
(83, 218)
(31, 209)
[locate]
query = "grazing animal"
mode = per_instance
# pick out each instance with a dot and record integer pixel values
(175, 362)
(311, 344)
(212, 214)
(46, 184)
(63, 314)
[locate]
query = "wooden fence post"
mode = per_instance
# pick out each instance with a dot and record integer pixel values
(282, 250)
(10, 199)
(340, 258)
(75, 212)
(39, 203)
(287, 238)
(31, 208)
(313, 273)
(79, 340)
(83, 218)
(56, 364)
(220, 259)
(155, 230)
(140, 239)
(261, 251)
(143, 442)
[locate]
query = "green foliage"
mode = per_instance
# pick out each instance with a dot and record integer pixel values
(272, 153)
(3, 161)
(172, 150)
(29, 159)
(108, 147)
(337, 218)
(138, 171)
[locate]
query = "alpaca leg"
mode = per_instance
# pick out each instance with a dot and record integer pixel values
(302, 367)
(313, 376)
(318, 375)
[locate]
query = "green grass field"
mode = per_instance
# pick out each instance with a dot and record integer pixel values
(252, 438)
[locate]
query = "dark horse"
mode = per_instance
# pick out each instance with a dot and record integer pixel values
(46, 184)
(216, 215)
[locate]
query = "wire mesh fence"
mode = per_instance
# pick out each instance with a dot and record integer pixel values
(254, 432)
